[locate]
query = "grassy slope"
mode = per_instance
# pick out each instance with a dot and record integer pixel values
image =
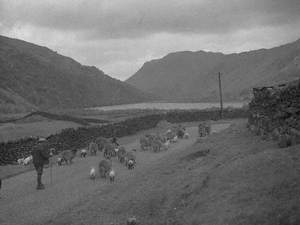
(15, 131)
(243, 180)
(40, 124)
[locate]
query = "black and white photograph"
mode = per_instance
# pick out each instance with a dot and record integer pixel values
(154, 112)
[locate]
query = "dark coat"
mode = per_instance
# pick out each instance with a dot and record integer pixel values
(40, 154)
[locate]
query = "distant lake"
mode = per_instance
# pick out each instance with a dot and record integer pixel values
(168, 106)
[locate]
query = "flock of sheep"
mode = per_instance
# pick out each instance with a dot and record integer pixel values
(113, 150)
(109, 149)
(159, 142)
(149, 142)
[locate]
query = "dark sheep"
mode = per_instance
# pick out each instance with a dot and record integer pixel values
(68, 155)
(121, 154)
(93, 148)
(104, 168)
(101, 142)
(109, 151)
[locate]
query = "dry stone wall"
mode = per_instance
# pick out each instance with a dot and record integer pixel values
(78, 138)
(274, 113)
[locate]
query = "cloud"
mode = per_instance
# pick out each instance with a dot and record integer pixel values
(134, 18)
(118, 36)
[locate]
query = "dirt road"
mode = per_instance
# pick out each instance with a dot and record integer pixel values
(232, 177)
(73, 193)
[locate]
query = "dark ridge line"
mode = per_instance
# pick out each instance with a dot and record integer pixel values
(63, 117)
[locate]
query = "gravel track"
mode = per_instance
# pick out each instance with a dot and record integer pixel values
(73, 195)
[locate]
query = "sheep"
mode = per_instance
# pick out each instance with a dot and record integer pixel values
(180, 133)
(175, 139)
(156, 145)
(101, 142)
(131, 221)
(112, 175)
(275, 133)
(170, 134)
(145, 144)
(166, 144)
(104, 167)
(68, 155)
(28, 160)
(130, 157)
(93, 148)
(93, 173)
(109, 151)
(121, 154)
(131, 164)
(59, 161)
(186, 135)
(20, 161)
(252, 128)
(83, 153)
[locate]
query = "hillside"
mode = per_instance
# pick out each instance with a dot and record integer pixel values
(34, 77)
(192, 76)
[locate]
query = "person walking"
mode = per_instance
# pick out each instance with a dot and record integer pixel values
(41, 155)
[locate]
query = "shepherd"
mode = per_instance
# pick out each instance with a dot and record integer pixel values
(41, 155)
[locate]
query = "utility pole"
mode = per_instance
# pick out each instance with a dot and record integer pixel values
(221, 100)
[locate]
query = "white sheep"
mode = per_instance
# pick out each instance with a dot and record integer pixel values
(20, 161)
(131, 221)
(59, 161)
(83, 153)
(186, 135)
(93, 173)
(175, 139)
(167, 144)
(112, 175)
(28, 160)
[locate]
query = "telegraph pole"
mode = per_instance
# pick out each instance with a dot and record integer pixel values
(221, 100)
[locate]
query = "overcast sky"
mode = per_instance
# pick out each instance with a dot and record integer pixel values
(118, 36)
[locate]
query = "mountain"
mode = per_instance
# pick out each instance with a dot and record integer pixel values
(193, 76)
(35, 77)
